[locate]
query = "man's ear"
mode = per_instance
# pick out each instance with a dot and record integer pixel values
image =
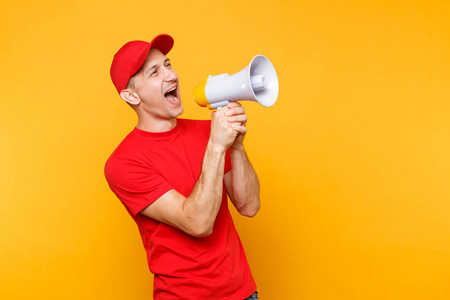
(130, 96)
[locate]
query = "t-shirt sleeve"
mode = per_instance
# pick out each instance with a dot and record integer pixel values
(137, 186)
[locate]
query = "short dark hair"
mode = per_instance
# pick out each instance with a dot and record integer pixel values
(131, 85)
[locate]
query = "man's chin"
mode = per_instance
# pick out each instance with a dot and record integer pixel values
(176, 113)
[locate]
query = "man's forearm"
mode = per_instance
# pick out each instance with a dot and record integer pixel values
(245, 183)
(203, 204)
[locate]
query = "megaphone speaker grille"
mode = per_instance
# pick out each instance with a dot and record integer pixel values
(261, 66)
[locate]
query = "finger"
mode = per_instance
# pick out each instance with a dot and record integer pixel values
(239, 128)
(238, 110)
(233, 104)
(237, 118)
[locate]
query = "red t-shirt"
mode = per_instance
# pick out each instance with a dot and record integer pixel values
(145, 166)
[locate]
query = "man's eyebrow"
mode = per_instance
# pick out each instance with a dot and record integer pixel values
(150, 68)
(155, 66)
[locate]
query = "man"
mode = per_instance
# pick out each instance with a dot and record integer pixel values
(173, 176)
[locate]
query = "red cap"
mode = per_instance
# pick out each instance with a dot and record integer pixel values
(129, 59)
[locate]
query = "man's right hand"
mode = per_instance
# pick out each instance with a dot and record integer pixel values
(224, 133)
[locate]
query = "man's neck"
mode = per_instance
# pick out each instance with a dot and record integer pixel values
(157, 125)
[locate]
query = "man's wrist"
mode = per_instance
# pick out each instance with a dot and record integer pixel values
(238, 147)
(216, 148)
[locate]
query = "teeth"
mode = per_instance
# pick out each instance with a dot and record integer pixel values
(171, 90)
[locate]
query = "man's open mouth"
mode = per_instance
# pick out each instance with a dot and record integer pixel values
(172, 95)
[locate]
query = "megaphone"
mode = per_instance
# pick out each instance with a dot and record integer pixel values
(257, 82)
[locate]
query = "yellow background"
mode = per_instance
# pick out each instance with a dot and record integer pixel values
(354, 158)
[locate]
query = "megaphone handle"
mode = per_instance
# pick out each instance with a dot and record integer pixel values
(220, 104)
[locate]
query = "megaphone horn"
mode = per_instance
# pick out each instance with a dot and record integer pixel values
(256, 82)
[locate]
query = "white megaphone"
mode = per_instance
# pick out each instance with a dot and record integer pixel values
(257, 82)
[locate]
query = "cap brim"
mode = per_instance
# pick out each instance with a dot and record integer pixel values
(162, 42)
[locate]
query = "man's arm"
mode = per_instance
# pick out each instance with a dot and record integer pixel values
(197, 213)
(241, 182)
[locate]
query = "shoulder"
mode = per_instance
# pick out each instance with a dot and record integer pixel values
(124, 157)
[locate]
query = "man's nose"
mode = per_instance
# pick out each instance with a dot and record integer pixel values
(170, 74)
